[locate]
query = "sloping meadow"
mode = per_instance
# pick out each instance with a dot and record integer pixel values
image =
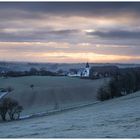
(51, 93)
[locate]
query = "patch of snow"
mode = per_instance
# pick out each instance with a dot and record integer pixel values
(57, 110)
(2, 94)
(116, 118)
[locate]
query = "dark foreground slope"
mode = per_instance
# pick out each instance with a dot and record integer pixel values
(116, 118)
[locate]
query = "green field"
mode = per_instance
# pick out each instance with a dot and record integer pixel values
(51, 92)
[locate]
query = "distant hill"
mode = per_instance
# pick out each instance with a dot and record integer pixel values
(26, 66)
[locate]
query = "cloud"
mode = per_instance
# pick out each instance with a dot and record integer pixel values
(38, 28)
(79, 8)
(40, 34)
(43, 47)
(63, 32)
(116, 34)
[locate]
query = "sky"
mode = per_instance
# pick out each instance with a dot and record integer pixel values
(70, 32)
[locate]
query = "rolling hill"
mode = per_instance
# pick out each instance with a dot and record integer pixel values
(116, 118)
(51, 93)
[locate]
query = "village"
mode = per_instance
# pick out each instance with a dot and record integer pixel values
(87, 71)
(93, 72)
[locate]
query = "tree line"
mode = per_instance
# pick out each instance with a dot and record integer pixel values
(126, 81)
(31, 72)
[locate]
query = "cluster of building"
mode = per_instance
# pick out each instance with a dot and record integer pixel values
(83, 72)
(95, 72)
(92, 72)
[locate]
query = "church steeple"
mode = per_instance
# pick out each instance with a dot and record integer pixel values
(87, 65)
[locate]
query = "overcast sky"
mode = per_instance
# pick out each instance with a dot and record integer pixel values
(70, 32)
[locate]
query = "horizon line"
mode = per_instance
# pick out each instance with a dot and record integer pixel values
(13, 61)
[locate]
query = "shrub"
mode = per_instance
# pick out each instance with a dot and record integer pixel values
(104, 93)
(14, 110)
(11, 107)
(4, 108)
(31, 86)
(114, 86)
(9, 89)
(126, 82)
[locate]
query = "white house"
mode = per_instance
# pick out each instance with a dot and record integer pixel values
(73, 74)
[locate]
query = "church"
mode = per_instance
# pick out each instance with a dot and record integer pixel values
(83, 73)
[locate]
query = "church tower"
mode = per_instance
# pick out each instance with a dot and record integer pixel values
(87, 70)
(87, 65)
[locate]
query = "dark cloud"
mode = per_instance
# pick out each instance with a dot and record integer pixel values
(63, 32)
(115, 25)
(117, 34)
(37, 35)
(70, 8)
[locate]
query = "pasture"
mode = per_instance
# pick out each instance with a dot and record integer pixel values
(50, 93)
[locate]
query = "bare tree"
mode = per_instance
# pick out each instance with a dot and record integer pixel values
(11, 107)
